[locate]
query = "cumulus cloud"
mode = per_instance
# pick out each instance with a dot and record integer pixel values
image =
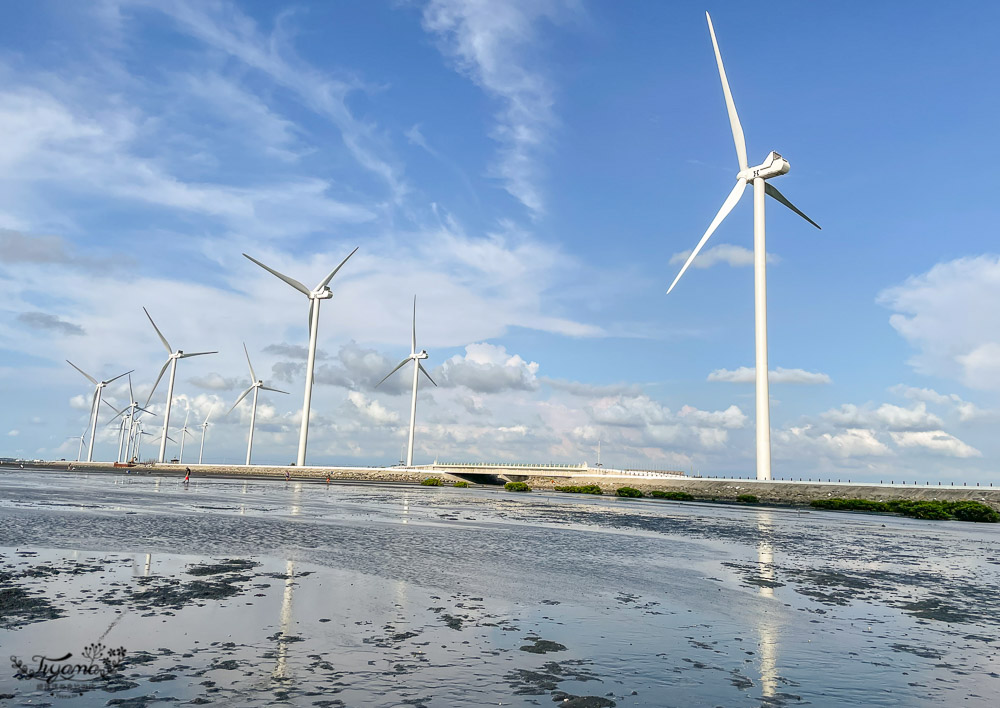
(217, 382)
(935, 441)
(292, 351)
(726, 253)
(747, 374)
(947, 315)
(886, 416)
(45, 321)
(488, 368)
(372, 411)
(965, 410)
(13, 433)
(854, 442)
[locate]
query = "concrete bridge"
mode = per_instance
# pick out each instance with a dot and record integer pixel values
(500, 472)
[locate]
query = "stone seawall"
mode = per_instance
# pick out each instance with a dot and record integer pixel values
(780, 492)
(776, 492)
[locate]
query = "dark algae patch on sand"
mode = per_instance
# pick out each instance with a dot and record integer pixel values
(938, 510)
(579, 489)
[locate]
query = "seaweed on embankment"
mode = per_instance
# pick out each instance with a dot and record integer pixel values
(931, 509)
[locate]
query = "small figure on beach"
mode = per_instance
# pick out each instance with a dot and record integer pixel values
(327, 477)
(287, 476)
(187, 475)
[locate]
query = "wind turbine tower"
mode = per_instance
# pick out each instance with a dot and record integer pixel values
(172, 358)
(416, 357)
(99, 387)
(316, 296)
(256, 385)
(774, 165)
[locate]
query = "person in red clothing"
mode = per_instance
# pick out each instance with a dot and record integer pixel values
(187, 475)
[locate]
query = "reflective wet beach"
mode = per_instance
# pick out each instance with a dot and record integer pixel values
(264, 591)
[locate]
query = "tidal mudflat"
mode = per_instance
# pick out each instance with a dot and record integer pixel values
(262, 592)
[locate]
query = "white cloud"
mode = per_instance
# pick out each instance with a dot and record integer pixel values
(491, 43)
(488, 368)
(935, 441)
(13, 433)
(747, 374)
(373, 411)
(965, 410)
(947, 314)
(803, 441)
(735, 256)
(886, 416)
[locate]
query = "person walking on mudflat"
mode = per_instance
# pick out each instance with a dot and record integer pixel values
(187, 475)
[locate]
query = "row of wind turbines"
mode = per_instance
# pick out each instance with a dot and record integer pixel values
(131, 424)
(774, 165)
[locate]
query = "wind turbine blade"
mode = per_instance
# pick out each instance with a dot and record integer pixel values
(773, 191)
(90, 378)
(238, 400)
(734, 119)
(118, 377)
(165, 365)
(326, 281)
(426, 374)
(131, 396)
(727, 206)
(188, 356)
(158, 332)
(276, 390)
(291, 281)
(171, 439)
(117, 412)
(140, 408)
(253, 376)
(210, 412)
(413, 339)
(398, 367)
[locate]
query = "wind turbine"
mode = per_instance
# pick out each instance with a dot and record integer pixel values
(81, 438)
(774, 165)
(95, 405)
(172, 358)
(415, 357)
(185, 431)
(204, 429)
(256, 385)
(316, 296)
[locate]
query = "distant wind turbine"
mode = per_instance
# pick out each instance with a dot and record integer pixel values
(95, 405)
(316, 296)
(774, 165)
(172, 358)
(204, 429)
(256, 385)
(185, 432)
(415, 357)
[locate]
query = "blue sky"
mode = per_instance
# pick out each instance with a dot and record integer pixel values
(530, 170)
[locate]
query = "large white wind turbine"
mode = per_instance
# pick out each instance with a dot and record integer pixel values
(204, 429)
(95, 405)
(316, 296)
(256, 385)
(774, 165)
(172, 358)
(415, 357)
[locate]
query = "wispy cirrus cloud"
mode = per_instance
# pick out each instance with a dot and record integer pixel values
(491, 43)
(724, 253)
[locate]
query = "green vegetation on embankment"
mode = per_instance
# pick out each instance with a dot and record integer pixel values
(579, 489)
(961, 510)
(431, 482)
(517, 487)
(628, 492)
(674, 496)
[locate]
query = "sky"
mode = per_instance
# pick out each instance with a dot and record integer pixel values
(534, 172)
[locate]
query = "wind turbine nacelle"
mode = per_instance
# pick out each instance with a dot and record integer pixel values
(324, 294)
(774, 166)
(422, 355)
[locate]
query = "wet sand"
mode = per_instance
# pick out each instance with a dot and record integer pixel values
(259, 593)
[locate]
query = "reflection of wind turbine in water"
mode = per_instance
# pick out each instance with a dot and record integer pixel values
(280, 672)
(768, 644)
